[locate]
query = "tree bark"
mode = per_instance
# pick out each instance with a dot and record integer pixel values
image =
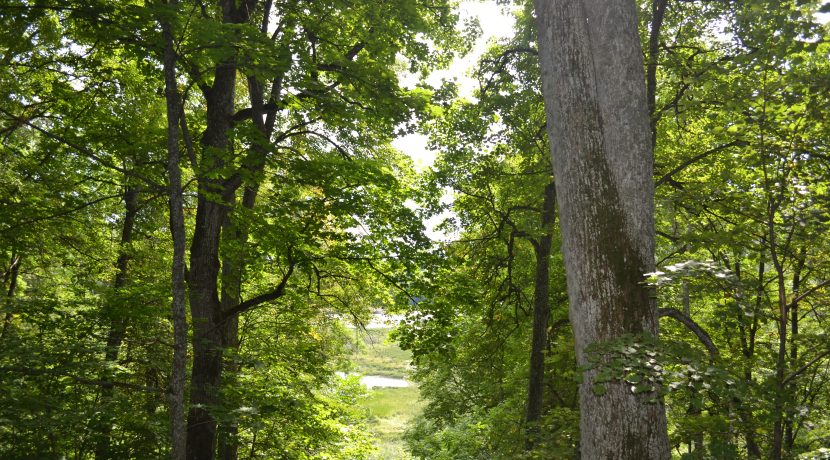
(215, 197)
(177, 232)
(658, 11)
(595, 99)
(11, 278)
(789, 436)
(541, 314)
(779, 402)
(118, 323)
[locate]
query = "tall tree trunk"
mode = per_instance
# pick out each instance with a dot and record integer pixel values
(658, 11)
(747, 336)
(597, 111)
(215, 197)
(541, 314)
(11, 278)
(233, 266)
(779, 403)
(177, 232)
(789, 438)
(118, 323)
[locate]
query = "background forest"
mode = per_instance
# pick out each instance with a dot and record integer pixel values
(197, 199)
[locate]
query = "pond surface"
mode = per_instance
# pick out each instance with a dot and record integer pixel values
(377, 381)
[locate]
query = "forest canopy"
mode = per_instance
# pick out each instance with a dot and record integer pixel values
(203, 212)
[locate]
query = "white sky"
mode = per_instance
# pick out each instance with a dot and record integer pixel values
(495, 23)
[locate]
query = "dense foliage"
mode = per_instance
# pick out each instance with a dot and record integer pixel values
(298, 213)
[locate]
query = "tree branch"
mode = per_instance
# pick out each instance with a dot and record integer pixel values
(85, 381)
(698, 157)
(82, 150)
(275, 294)
(803, 368)
(692, 326)
(808, 292)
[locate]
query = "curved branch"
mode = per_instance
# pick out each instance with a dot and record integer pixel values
(692, 326)
(808, 292)
(696, 158)
(275, 294)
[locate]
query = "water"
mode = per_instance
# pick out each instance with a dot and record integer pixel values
(377, 381)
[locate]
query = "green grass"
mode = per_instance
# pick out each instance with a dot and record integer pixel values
(376, 355)
(390, 409)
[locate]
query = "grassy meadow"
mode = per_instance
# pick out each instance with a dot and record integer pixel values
(390, 409)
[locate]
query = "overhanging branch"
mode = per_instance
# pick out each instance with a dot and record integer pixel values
(692, 326)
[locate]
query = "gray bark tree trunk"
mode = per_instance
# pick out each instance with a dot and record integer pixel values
(595, 99)
(179, 365)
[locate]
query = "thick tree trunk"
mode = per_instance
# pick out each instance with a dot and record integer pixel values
(215, 196)
(541, 313)
(118, 323)
(177, 232)
(233, 265)
(207, 332)
(595, 99)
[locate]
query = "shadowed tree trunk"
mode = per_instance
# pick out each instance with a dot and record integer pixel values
(118, 321)
(233, 265)
(541, 313)
(597, 111)
(789, 439)
(213, 203)
(10, 278)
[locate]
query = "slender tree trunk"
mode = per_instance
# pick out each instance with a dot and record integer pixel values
(11, 278)
(118, 322)
(747, 336)
(177, 232)
(789, 439)
(783, 321)
(597, 111)
(658, 11)
(541, 314)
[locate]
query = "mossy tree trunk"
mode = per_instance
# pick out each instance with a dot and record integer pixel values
(596, 104)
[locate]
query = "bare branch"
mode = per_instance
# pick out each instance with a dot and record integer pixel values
(803, 368)
(696, 158)
(692, 326)
(275, 294)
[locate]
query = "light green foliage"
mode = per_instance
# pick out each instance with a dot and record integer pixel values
(83, 121)
(741, 162)
(470, 331)
(390, 412)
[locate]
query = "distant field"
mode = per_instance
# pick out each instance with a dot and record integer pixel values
(375, 355)
(390, 409)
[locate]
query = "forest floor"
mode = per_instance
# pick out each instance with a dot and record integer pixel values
(390, 409)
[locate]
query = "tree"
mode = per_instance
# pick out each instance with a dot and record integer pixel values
(595, 98)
